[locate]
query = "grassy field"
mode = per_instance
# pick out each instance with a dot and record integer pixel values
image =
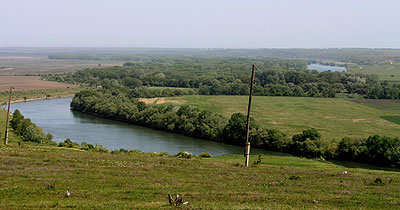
(37, 177)
(333, 117)
(390, 72)
(35, 64)
(23, 83)
(19, 96)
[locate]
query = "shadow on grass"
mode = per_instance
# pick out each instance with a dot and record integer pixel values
(393, 119)
(350, 164)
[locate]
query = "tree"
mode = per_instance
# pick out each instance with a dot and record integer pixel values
(235, 131)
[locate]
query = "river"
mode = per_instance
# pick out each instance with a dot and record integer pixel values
(321, 68)
(54, 116)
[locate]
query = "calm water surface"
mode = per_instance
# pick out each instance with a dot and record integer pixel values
(54, 116)
(320, 68)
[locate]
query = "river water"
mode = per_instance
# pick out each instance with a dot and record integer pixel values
(54, 116)
(321, 68)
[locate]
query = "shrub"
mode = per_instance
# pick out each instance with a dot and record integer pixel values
(86, 146)
(350, 149)
(383, 150)
(184, 155)
(308, 144)
(205, 155)
(34, 134)
(259, 159)
(69, 144)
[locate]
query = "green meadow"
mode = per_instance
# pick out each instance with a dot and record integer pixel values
(333, 117)
(37, 177)
(390, 72)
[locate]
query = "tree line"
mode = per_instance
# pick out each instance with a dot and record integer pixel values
(344, 55)
(191, 121)
(25, 128)
(230, 76)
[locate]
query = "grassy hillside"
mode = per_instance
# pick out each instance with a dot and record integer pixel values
(33, 177)
(333, 117)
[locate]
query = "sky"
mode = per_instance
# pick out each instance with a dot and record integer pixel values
(200, 23)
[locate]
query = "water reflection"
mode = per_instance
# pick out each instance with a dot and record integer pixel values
(55, 116)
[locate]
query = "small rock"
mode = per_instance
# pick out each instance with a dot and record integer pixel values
(67, 194)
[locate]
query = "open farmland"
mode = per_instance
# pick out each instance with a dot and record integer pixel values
(21, 83)
(35, 65)
(333, 117)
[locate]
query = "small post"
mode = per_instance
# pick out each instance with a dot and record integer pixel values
(8, 115)
(247, 145)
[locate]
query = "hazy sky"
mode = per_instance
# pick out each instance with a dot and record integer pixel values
(201, 23)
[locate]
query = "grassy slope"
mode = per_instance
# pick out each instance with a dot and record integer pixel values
(39, 94)
(33, 177)
(335, 118)
(384, 71)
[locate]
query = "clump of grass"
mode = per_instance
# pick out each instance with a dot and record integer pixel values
(294, 177)
(378, 181)
(259, 159)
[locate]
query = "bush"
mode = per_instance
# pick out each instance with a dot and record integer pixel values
(86, 146)
(308, 144)
(205, 155)
(383, 150)
(350, 149)
(34, 134)
(69, 144)
(184, 155)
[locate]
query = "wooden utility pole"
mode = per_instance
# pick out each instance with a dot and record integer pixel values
(247, 145)
(8, 115)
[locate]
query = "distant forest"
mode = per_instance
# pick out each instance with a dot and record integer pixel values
(230, 76)
(360, 56)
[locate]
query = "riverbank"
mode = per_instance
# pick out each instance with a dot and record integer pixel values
(33, 95)
(36, 177)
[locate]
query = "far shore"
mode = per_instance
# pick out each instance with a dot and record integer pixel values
(39, 98)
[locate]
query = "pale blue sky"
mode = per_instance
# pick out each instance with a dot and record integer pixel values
(201, 24)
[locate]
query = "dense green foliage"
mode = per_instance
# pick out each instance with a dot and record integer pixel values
(191, 121)
(29, 131)
(230, 76)
(380, 150)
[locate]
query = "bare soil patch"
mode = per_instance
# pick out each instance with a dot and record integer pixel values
(357, 120)
(29, 83)
(161, 101)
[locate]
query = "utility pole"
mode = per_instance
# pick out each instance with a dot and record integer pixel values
(8, 115)
(247, 145)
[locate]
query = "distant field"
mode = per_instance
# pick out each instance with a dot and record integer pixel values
(333, 117)
(390, 72)
(22, 65)
(29, 83)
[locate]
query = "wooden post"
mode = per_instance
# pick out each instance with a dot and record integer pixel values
(247, 145)
(8, 115)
